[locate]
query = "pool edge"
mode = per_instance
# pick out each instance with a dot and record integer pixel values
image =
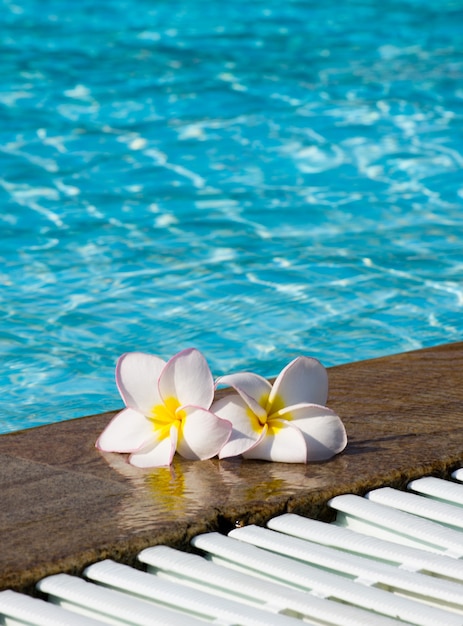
(67, 505)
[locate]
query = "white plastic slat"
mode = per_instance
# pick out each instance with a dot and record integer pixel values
(192, 601)
(202, 574)
(17, 609)
(404, 557)
(446, 594)
(244, 557)
(438, 489)
(358, 572)
(365, 516)
(441, 512)
(111, 607)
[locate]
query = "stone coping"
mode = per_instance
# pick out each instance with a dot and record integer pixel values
(65, 505)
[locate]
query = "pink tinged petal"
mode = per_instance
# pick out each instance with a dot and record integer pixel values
(252, 384)
(126, 432)
(303, 380)
(323, 430)
(137, 376)
(159, 454)
(202, 434)
(283, 443)
(187, 378)
(246, 428)
(252, 388)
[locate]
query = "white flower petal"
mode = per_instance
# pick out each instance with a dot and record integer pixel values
(282, 443)
(158, 454)
(187, 378)
(303, 380)
(202, 434)
(137, 376)
(323, 430)
(254, 389)
(252, 384)
(126, 432)
(246, 429)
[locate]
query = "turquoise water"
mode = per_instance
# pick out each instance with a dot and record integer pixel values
(256, 179)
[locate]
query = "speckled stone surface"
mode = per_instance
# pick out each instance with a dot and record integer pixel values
(64, 504)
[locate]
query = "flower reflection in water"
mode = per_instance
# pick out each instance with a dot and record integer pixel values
(197, 493)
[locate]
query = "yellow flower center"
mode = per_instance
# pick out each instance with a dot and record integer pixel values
(273, 421)
(166, 415)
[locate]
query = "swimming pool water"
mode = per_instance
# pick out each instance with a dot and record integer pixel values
(256, 179)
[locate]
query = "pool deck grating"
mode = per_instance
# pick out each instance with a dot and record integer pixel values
(66, 505)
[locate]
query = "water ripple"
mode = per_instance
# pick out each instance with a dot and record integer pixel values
(258, 181)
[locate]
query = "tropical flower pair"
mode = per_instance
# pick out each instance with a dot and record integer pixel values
(170, 408)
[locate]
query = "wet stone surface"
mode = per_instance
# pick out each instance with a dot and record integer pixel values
(65, 504)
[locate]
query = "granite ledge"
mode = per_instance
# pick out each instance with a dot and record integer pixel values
(65, 504)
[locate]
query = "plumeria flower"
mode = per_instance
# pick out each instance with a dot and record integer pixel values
(167, 410)
(286, 422)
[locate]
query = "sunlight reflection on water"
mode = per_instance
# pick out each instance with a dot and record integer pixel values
(256, 181)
